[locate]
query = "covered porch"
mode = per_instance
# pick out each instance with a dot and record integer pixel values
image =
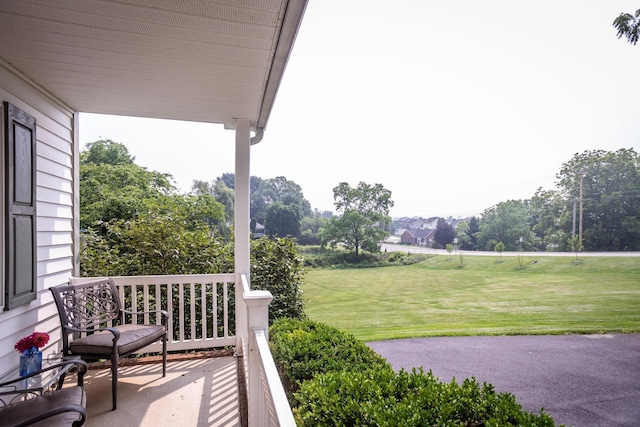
(220, 370)
(205, 61)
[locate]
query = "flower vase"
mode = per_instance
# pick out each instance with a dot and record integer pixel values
(30, 361)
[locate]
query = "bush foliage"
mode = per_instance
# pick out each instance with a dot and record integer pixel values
(160, 245)
(317, 257)
(334, 379)
(304, 349)
(277, 268)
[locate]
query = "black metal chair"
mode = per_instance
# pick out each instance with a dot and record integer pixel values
(94, 328)
(61, 407)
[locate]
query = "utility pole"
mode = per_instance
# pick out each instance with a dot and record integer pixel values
(573, 229)
(581, 174)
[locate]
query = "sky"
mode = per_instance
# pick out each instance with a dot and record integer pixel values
(454, 106)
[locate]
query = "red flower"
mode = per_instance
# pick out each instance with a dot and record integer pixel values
(35, 340)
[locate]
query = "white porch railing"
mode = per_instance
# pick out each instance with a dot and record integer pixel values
(266, 398)
(198, 307)
(203, 313)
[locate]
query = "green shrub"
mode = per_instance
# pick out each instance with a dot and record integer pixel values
(303, 349)
(277, 268)
(384, 398)
(315, 257)
(333, 379)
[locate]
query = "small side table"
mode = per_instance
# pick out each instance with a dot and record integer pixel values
(49, 380)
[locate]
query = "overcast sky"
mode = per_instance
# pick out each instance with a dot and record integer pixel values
(454, 106)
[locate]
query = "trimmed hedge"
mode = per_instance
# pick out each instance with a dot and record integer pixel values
(303, 349)
(333, 379)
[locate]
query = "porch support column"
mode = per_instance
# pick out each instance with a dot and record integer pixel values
(76, 194)
(241, 223)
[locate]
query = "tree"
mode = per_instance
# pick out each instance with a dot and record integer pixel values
(229, 180)
(112, 186)
(220, 191)
(282, 220)
(147, 228)
(611, 198)
(106, 151)
(310, 227)
(445, 233)
(574, 243)
(287, 192)
(365, 211)
(154, 244)
(628, 25)
(499, 247)
(201, 187)
(449, 248)
(504, 222)
(463, 235)
(226, 196)
(549, 215)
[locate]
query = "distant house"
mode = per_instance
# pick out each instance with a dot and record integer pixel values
(431, 223)
(259, 231)
(419, 237)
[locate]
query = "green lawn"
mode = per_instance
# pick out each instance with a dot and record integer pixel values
(488, 296)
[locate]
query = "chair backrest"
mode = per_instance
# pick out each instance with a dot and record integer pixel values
(87, 306)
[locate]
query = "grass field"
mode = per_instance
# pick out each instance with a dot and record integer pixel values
(488, 296)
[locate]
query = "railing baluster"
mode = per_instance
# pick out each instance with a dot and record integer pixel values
(158, 305)
(192, 310)
(170, 311)
(145, 302)
(181, 311)
(203, 309)
(214, 309)
(134, 304)
(225, 308)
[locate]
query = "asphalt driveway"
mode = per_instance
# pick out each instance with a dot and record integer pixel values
(580, 380)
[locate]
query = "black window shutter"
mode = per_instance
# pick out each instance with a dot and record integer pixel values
(20, 202)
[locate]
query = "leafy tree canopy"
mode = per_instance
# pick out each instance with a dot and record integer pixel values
(112, 186)
(628, 26)
(220, 192)
(106, 151)
(282, 220)
(445, 233)
(284, 191)
(506, 222)
(365, 211)
(263, 194)
(611, 197)
(549, 219)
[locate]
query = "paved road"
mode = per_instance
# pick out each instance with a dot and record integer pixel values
(392, 247)
(580, 380)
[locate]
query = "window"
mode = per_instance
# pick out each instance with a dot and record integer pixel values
(19, 154)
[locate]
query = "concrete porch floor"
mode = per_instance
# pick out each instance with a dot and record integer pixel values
(198, 392)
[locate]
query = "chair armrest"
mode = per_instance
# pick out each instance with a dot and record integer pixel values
(56, 411)
(82, 369)
(69, 400)
(114, 331)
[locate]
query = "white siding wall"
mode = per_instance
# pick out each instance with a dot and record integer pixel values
(55, 225)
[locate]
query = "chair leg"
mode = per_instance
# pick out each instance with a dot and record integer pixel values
(164, 355)
(114, 380)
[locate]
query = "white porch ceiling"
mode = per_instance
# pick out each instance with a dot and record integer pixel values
(199, 60)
